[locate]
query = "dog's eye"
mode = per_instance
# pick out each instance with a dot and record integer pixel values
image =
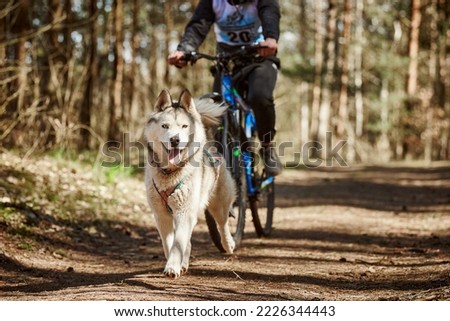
(184, 126)
(165, 126)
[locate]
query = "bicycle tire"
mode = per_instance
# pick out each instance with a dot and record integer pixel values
(237, 212)
(262, 203)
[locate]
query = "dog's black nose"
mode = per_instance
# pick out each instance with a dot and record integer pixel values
(174, 141)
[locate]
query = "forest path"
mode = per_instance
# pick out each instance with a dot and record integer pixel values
(357, 233)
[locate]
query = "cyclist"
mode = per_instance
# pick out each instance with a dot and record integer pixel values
(238, 23)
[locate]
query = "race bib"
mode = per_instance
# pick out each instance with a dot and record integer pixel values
(237, 25)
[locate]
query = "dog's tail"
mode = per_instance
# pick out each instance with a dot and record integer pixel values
(210, 111)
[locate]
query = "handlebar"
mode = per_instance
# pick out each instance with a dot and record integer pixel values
(242, 52)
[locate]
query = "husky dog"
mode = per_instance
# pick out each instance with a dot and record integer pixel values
(182, 176)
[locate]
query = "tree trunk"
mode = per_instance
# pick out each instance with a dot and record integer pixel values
(343, 120)
(3, 30)
(304, 109)
(133, 114)
(318, 66)
(51, 76)
(55, 13)
(359, 38)
(116, 107)
(304, 113)
(412, 100)
(431, 97)
(444, 62)
(413, 50)
(92, 78)
(68, 30)
(168, 21)
(383, 146)
(20, 26)
(325, 106)
(3, 74)
(303, 26)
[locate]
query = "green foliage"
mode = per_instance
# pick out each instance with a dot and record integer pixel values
(9, 216)
(116, 173)
(72, 157)
(16, 223)
(26, 246)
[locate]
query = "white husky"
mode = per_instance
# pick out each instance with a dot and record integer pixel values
(182, 177)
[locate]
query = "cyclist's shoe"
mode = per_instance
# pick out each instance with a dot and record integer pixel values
(271, 161)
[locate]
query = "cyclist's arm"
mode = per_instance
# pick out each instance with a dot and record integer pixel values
(198, 27)
(269, 13)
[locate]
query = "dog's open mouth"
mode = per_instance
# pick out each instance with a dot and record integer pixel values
(174, 156)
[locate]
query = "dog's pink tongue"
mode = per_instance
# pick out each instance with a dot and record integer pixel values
(173, 155)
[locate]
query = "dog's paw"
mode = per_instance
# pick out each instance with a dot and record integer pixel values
(229, 245)
(172, 273)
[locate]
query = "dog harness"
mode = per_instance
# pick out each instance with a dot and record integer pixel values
(214, 160)
(167, 193)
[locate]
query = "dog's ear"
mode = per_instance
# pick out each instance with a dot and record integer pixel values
(163, 101)
(186, 101)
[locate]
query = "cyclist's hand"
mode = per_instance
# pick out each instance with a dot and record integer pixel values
(270, 47)
(176, 59)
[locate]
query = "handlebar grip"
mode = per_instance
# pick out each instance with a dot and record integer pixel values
(187, 56)
(190, 57)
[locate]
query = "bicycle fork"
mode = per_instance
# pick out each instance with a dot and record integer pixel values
(254, 184)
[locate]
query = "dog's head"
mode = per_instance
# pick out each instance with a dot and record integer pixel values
(174, 131)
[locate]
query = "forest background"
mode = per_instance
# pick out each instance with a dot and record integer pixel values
(76, 74)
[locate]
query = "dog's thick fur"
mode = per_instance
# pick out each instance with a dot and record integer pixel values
(180, 177)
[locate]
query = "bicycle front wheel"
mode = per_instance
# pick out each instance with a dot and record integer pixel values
(262, 201)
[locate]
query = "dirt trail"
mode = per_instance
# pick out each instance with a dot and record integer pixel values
(359, 233)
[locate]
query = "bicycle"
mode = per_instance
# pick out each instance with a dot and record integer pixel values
(236, 141)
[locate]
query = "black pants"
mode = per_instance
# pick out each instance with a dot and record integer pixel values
(259, 86)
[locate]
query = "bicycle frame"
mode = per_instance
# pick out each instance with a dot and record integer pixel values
(237, 108)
